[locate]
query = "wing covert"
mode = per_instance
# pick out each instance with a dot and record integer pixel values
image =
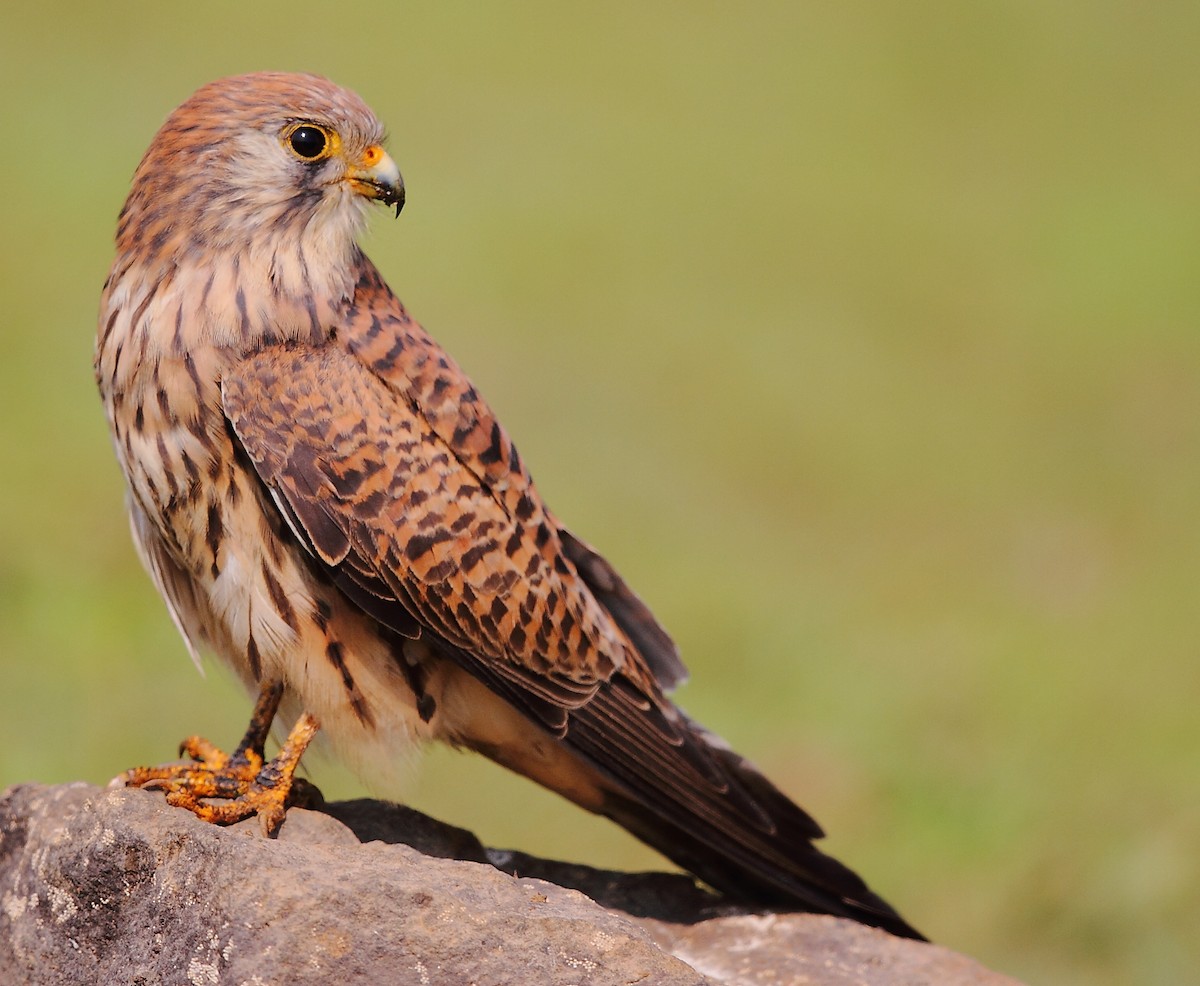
(400, 353)
(407, 530)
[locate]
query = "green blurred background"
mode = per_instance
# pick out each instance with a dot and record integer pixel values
(862, 337)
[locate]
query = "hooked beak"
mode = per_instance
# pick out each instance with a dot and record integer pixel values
(377, 177)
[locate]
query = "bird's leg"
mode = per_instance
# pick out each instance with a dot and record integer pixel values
(244, 782)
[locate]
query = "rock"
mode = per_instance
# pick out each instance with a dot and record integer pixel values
(115, 887)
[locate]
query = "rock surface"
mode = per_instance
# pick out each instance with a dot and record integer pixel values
(115, 887)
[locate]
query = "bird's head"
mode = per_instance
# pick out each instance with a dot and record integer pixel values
(269, 158)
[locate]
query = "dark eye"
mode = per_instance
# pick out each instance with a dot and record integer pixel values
(307, 142)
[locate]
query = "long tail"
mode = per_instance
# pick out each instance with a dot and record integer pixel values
(682, 789)
(765, 856)
(641, 762)
(730, 826)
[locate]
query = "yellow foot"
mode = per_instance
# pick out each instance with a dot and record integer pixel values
(244, 782)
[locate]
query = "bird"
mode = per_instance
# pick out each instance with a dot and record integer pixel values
(327, 504)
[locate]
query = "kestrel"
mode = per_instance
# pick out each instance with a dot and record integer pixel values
(327, 503)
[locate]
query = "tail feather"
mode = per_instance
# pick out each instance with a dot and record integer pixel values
(630, 754)
(683, 791)
(812, 882)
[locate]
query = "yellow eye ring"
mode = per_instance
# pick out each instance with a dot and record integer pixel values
(309, 142)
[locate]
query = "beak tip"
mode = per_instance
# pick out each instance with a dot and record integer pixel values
(377, 177)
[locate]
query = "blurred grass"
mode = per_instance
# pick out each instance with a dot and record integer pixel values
(863, 338)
